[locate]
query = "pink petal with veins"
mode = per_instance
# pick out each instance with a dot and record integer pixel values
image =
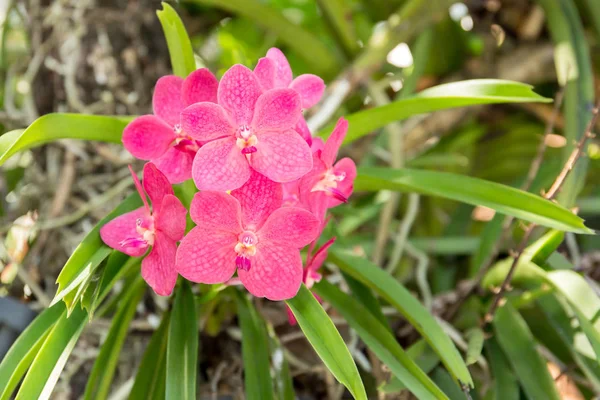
(114, 232)
(310, 88)
(147, 137)
(200, 85)
(220, 165)
(276, 110)
(283, 74)
(259, 197)
(265, 73)
(276, 272)
(156, 185)
(216, 211)
(158, 267)
(282, 156)
(334, 142)
(166, 100)
(347, 168)
(289, 226)
(176, 164)
(171, 219)
(302, 128)
(317, 145)
(238, 91)
(206, 122)
(207, 258)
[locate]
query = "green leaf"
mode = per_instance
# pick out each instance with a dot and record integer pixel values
(117, 266)
(506, 386)
(424, 357)
(150, 379)
(178, 41)
(450, 95)
(518, 344)
(22, 352)
(475, 345)
(52, 127)
(326, 340)
(504, 199)
(100, 378)
(416, 314)
(366, 297)
(89, 254)
(379, 339)
(182, 350)
(52, 357)
(255, 351)
(284, 386)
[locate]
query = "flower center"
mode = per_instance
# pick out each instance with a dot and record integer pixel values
(145, 238)
(246, 140)
(245, 248)
(184, 141)
(329, 183)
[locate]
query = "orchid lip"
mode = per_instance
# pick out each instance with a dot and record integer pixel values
(243, 263)
(338, 194)
(249, 150)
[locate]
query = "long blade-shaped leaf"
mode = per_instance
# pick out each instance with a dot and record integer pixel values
(182, 350)
(506, 386)
(377, 337)
(451, 95)
(21, 354)
(398, 296)
(255, 351)
(326, 340)
(178, 41)
(518, 344)
(504, 199)
(51, 127)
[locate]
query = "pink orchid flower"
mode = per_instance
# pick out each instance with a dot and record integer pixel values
(160, 228)
(159, 137)
(274, 71)
(311, 274)
(247, 130)
(329, 183)
(250, 232)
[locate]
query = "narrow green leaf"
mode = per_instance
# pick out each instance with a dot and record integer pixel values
(504, 199)
(443, 379)
(506, 386)
(450, 95)
(282, 377)
(100, 378)
(22, 352)
(489, 237)
(182, 350)
(336, 12)
(518, 344)
(51, 127)
(366, 297)
(52, 357)
(326, 340)
(150, 379)
(399, 297)
(117, 266)
(255, 351)
(424, 357)
(379, 339)
(89, 253)
(178, 41)
(475, 345)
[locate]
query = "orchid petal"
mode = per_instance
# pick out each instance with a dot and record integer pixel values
(238, 91)
(114, 232)
(334, 142)
(277, 110)
(206, 121)
(291, 226)
(171, 219)
(276, 272)
(216, 211)
(265, 73)
(176, 164)
(346, 168)
(258, 198)
(156, 185)
(207, 257)
(282, 156)
(148, 137)
(302, 128)
(166, 100)
(283, 74)
(317, 145)
(158, 267)
(310, 88)
(220, 165)
(201, 85)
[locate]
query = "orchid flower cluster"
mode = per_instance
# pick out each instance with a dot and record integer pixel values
(264, 182)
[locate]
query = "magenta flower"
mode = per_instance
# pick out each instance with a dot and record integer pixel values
(250, 232)
(160, 228)
(159, 137)
(329, 183)
(273, 71)
(246, 129)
